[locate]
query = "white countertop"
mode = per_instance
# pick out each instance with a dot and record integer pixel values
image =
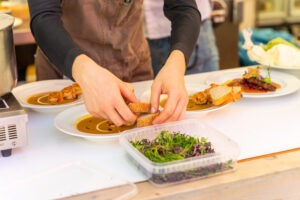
(259, 126)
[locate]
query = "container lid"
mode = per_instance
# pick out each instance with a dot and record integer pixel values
(6, 21)
(71, 179)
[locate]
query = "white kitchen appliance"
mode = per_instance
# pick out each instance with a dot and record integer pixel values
(12, 116)
(12, 124)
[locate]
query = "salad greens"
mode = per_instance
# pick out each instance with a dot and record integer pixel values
(169, 146)
(194, 173)
(277, 41)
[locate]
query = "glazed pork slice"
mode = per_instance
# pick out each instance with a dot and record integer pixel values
(261, 83)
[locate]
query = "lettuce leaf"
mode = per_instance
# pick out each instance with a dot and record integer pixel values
(277, 41)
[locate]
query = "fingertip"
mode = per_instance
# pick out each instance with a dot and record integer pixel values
(153, 110)
(135, 100)
(182, 115)
(154, 101)
(159, 119)
(155, 121)
(134, 118)
(128, 94)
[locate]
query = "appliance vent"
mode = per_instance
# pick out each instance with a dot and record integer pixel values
(2, 133)
(12, 132)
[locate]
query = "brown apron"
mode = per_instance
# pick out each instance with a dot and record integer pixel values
(108, 31)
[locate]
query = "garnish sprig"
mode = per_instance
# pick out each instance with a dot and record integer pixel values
(268, 78)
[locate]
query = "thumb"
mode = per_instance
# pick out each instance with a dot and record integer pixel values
(127, 93)
(155, 97)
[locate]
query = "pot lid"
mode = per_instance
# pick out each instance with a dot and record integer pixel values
(6, 21)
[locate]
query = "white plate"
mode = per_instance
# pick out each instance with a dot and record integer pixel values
(288, 83)
(23, 91)
(65, 122)
(18, 22)
(191, 89)
(281, 67)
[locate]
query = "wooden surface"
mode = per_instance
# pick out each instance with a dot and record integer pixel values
(273, 177)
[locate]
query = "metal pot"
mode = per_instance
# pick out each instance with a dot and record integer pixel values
(8, 68)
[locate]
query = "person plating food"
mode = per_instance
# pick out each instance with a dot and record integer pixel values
(100, 44)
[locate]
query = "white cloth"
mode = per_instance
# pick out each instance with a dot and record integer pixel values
(156, 25)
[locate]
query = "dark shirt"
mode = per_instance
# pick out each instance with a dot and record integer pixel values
(57, 44)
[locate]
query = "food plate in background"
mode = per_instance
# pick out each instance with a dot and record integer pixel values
(191, 89)
(290, 70)
(288, 83)
(67, 120)
(24, 91)
(281, 67)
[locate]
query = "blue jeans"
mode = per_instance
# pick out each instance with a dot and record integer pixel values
(204, 58)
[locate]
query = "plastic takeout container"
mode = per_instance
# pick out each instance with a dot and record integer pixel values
(223, 160)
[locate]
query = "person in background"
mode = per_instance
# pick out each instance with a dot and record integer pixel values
(101, 44)
(157, 28)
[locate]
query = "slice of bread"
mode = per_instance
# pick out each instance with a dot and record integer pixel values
(220, 94)
(223, 94)
(237, 93)
(129, 123)
(139, 107)
(146, 120)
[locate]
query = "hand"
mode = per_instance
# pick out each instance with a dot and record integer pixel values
(103, 92)
(170, 81)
